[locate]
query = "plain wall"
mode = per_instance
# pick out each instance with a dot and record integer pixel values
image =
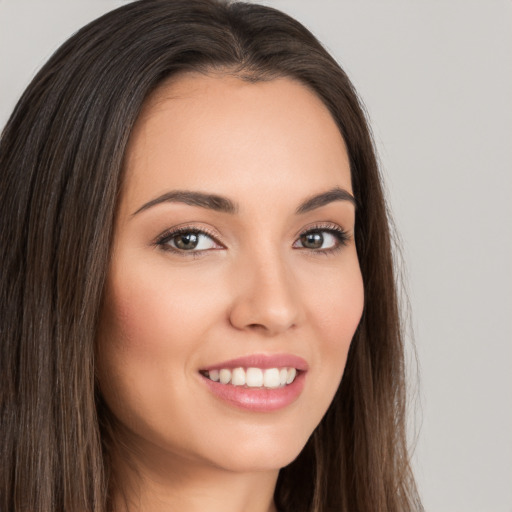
(436, 77)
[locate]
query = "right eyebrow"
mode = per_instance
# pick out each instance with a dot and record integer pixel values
(210, 201)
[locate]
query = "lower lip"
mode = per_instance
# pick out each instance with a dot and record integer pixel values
(258, 399)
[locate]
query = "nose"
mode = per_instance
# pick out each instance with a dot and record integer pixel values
(265, 298)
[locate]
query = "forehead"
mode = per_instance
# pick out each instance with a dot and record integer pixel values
(227, 135)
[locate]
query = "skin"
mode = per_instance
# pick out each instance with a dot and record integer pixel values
(253, 288)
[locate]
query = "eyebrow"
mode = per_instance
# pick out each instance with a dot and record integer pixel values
(210, 201)
(225, 205)
(319, 200)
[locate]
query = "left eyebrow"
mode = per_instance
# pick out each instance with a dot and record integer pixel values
(319, 200)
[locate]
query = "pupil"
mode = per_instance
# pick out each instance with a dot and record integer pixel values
(312, 240)
(186, 241)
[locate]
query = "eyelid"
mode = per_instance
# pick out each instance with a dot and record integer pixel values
(162, 239)
(343, 236)
(323, 226)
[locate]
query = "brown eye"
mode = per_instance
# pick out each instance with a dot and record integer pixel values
(322, 240)
(186, 241)
(312, 240)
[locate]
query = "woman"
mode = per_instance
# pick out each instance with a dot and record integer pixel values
(199, 307)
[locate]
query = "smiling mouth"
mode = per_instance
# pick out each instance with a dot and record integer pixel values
(270, 378)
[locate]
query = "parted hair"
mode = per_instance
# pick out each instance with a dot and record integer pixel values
(61, 166)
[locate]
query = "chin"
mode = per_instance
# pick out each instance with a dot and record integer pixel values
(259, 462)
(260, 454)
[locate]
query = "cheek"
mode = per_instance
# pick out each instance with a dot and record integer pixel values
(337, 303)
(336, 310)
(154, 314)
(151, 328)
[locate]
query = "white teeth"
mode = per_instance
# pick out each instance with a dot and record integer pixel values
(270, 378)
(238, 377)
(224, 376)
(291, 375)
(254, 377)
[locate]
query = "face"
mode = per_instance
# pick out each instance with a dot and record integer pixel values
(234, 287)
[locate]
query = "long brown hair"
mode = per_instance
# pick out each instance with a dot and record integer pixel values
(61, 161)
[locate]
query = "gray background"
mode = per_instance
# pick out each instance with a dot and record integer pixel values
(436, 77)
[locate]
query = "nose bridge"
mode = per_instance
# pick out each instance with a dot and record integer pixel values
(265, 295)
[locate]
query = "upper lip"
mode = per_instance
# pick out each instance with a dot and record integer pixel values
(262, 361)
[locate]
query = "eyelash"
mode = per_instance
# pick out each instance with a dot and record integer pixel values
(164, 238)
(342, 238)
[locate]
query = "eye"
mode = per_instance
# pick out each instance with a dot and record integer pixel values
(317, 239)
(322, 239)
(187, 240)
